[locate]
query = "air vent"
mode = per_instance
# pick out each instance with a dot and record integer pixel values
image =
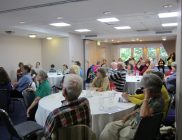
(163, 32)
(142, 30)
(40, 5)
(90, 36)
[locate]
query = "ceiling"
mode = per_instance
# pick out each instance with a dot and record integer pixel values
(38, 14)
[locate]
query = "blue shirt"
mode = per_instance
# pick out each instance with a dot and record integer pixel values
(171, 82)
(24, 82)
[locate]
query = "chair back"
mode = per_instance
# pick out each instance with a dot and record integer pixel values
(28, 97)
(4, 99)
(76, 132)
(148, 128)
(6, 121)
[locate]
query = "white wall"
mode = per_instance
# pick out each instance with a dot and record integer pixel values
(55, 51)
(75, 48)
(14, 49)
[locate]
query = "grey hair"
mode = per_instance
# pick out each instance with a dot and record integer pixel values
(73, 84)
(152, 82)
(173, 64)
(43, 75)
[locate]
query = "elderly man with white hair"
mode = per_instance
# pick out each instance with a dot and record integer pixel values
(73, 111)
(119, 77)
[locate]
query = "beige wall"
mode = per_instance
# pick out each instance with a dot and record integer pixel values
(55, 51)
(14, 49)
(75, 49)
(94, 53)
(170, 46)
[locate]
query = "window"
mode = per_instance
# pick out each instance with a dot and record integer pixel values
(152, 54)
(163, 54)
(138, 52)
(125, 53)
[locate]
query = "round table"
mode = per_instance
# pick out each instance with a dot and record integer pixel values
(55, 79)
(104, 108)
(132, 83)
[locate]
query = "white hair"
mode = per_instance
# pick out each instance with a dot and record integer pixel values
(73, 84)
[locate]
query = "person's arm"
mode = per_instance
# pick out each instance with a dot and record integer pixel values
(136, 99)
(145, 110)
(105, 84)
(35, 102)
(125, 118)
(93, 82)
(143, 70)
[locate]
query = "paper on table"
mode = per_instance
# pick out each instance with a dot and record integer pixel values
(112, 109)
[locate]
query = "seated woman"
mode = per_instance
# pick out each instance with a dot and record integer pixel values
(101, 81)
(130, 69)
(152, 103)
(138, 98)
(5, 84)
(65, 69)
(52, 69)
(144, 67)
(42, 90)
(161, 65)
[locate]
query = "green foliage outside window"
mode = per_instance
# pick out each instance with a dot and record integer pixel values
(125, 53)
(163, 54)
(138, 52)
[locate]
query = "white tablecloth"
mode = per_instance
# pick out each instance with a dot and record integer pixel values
(100, 116)
(55, 79)
(132, 83)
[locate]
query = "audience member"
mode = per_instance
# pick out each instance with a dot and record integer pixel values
(138, 98)
(42, 90)
(144, 67)
(23, 83)
(119, 77)
(152, 103)
(37, 67)
(101, 81)
(171, 80)
(52, 70)
(104, 63)
(5, 84)
(19, 72)
(130, 70)
(74, 110)
(171, 59)
(75, 69)
(161, 65)
(65, 69)
(120, 60)
(79, 65)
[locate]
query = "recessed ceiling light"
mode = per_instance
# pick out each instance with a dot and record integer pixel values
(21, 22)
(107, 12)
(167, 6)
(98, 43)
(164, 39)
(49, 38)
(112, 19)
(59, 17)
(167, 15)
(122, 27)
(169, 24)
(60, 24)
(82, 30)
(141, 40)
(137, 39)
(112, 40)
(133, 40)
(32, 36)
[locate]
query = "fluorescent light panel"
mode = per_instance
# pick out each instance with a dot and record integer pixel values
(82, 30)
(32, 36)
(169, 24)
(60, 24)
(49, 38)
(113, 19)
(122, 27)
(167, 15)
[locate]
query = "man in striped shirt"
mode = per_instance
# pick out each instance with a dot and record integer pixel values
(119, 77)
